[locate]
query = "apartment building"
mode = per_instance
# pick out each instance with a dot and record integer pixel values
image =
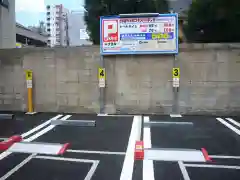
(57, 25)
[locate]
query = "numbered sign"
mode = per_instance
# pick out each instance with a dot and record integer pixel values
(101, 77)
(29, 78)
(176, 73)
(176, 77)
(28, 75)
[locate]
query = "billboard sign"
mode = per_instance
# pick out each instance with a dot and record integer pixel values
(139, 35)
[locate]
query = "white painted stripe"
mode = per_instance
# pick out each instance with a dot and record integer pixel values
(16, 168)
(6, 153)
(183, 170)
(233, 121)
(148, 169)
(212, 166)
(44, 131)
(40, 126)
(95, 152)
(135, 135)
(228, 125)
(56, 158)
(91, 171)
(224, 157)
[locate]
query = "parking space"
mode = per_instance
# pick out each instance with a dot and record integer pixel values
(94, 153)
(110, 134)
(218, 135)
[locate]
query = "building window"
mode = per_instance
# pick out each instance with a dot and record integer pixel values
(48, 13)
(48, 19)
(48, 7)
(48, 29)
(48, 24)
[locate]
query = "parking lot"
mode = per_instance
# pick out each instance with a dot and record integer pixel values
(106, 151)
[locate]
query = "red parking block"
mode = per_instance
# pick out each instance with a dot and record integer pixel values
(205, 154)
(139, 151)
(6, 144)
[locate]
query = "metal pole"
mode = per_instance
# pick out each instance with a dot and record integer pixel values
(102, 89)
(175, 109)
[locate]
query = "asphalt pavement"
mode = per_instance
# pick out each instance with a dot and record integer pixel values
(106, 151)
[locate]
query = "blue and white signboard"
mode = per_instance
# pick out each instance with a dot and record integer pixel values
(141, 35)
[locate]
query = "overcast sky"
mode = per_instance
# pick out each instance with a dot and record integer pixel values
(30, 12)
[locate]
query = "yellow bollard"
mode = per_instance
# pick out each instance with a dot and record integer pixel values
(29, 87)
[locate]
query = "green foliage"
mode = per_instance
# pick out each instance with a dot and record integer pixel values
(213, 21)
(97, 8)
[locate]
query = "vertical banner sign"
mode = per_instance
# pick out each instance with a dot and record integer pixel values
(29, 77)
(176, 77)
(139, 35)
(101, 77)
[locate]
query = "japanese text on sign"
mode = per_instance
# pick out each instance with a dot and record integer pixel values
(144, 35)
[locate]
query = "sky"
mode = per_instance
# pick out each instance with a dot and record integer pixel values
(30, 12)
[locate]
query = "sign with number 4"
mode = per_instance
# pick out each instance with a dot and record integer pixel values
(101, 77)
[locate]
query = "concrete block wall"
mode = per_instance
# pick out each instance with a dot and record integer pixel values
(65, 80)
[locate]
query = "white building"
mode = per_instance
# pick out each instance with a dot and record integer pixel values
(78, 35)
(57, 25)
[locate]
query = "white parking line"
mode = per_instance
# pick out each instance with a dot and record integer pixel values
(135, 135)
(233, 121)
(49, 128)
(224, 157)
(95, 152)
(91, 171)
(40, 126)
(183, 170)
(212, 166)
(148, 169)
(16, 168)
(64, 159)
(228, 125)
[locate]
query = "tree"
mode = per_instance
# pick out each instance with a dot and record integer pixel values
(96, 8)
(213, 21)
